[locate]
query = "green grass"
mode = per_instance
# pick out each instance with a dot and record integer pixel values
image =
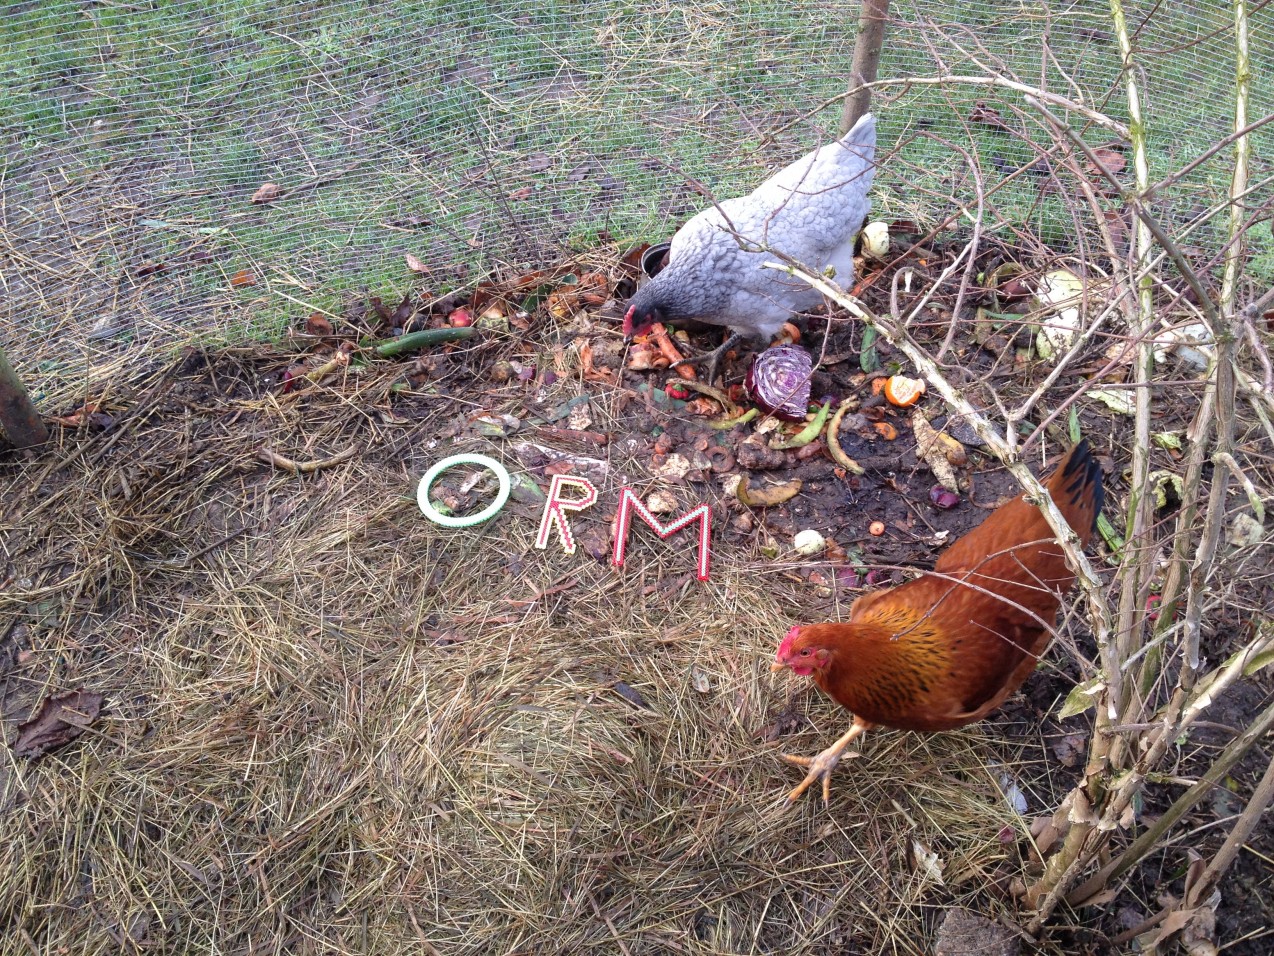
(178, 111)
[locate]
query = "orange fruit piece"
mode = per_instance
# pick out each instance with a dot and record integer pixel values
(903, 391)
(886, 431)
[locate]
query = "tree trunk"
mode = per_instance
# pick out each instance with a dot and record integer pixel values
(871, 37)
(18, 418)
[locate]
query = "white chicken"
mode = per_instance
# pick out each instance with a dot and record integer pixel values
(810, 211)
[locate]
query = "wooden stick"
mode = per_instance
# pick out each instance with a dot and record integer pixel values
(862, 72)
(272, 457)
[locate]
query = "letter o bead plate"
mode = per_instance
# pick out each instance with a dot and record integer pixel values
(453, 521)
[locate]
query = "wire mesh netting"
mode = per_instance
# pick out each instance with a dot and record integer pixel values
(475, 136)
(332, 726)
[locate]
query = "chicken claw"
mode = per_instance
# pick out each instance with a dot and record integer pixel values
(821, 767)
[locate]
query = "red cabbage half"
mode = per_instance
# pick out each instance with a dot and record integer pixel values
(779, 381)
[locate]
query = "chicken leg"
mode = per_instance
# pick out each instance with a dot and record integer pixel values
(821, 767)
(715, 356)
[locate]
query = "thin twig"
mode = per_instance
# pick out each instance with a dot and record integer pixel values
(1149, 839)
(1061, 102)
(269, 456)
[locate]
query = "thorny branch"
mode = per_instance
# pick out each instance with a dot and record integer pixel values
(1119, 641)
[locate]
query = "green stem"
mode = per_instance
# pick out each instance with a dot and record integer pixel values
(419, 340)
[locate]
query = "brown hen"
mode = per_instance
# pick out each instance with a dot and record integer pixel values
(949, 647)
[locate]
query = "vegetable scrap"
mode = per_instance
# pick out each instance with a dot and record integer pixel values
(779, 381)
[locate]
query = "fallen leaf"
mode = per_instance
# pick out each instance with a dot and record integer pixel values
(1245, 531)
(1117, 401)
(268, 192)
(926, 861)
(631, 695)
(1111, 160)
(58, 721)
(699, 679)
(243, 277)
(149, 268)
(1081, 697)
(523, 193)
(868, 358)
(1069, 749)
(316, 324)
(538, 162)
(987, 116)
(414, 264)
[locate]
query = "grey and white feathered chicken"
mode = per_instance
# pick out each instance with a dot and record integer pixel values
(811, 211)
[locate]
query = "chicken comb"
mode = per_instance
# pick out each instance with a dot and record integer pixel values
(785, 645)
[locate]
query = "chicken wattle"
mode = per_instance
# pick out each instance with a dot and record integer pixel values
(810, 211)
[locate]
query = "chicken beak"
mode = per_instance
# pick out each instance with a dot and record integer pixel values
(777, 666)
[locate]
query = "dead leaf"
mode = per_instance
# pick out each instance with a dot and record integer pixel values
(926, 861)
(1111, 160)
(1069, 749)
(242, 278)
(632, 696)
(987, 116)
(58, 721)
(933, 451)
(538, 162)
(149, 268)
(317, 324)
(523, 193)
(414, 264)
(1046, 833)
(268, 192)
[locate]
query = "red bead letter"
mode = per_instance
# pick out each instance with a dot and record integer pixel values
(629, 502)
(556, 507)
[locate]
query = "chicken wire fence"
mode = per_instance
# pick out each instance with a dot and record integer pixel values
(480, 137)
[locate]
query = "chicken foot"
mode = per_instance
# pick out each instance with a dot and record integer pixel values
(715, 356)
(821, 767)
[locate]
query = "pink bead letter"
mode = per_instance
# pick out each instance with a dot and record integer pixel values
(556, 507)
(629, 502)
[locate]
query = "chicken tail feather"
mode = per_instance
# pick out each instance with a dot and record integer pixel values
(1076, 486)
(862, 133)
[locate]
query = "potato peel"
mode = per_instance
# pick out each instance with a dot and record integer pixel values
(932, 450)
(768, 497)
(833, 439)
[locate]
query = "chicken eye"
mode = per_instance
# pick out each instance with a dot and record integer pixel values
(805, 652)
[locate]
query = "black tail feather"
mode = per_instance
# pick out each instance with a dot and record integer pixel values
(1083, 472)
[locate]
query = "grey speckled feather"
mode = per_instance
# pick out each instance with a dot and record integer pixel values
(811, 211)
